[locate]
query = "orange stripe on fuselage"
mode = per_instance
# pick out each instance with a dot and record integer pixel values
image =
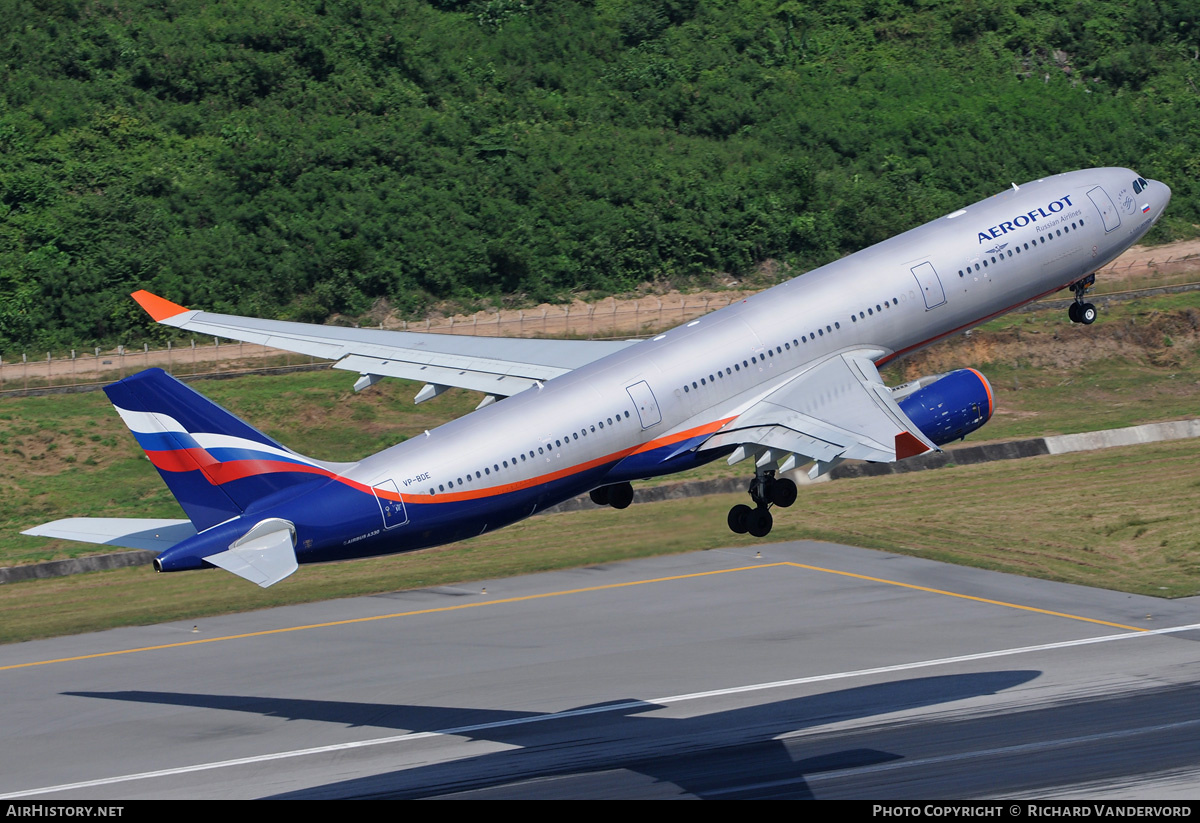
(217, 473)
(506, 488)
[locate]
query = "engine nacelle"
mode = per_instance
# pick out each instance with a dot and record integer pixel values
(949, 406)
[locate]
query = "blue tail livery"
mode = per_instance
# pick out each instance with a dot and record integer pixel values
(215, 464)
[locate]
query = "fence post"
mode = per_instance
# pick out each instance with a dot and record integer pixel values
(73, 381)
(170, 361)
(121, 358)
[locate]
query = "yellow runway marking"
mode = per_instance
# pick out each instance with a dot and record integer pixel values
(544, 595)
(969, 597)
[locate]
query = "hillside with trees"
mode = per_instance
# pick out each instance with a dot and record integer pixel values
(300, 158)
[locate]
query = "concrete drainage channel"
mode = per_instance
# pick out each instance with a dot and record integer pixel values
(965, 456)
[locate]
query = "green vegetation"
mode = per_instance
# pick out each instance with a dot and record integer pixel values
(303, 158)
(1118, 518)
(70, 455)
(1140, 363)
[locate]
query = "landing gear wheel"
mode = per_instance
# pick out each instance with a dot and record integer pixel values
(759, 522)
(599, 496)
(739, 516)
(1079, 311)
(620, 495)
(783, 492)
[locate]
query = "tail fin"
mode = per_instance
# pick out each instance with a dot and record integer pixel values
(215, 464)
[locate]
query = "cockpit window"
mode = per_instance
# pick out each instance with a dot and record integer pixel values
(1137, 186)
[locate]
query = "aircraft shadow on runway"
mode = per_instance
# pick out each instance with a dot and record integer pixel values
(710, 755)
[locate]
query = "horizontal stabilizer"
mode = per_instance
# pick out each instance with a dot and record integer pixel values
(264, 556)
(126, 532)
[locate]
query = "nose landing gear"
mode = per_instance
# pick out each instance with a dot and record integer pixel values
(1080, 311)
(766, 490)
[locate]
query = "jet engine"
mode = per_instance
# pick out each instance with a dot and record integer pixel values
(947, 406)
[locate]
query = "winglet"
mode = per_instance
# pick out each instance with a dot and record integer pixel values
(908, 446)
(157, 307)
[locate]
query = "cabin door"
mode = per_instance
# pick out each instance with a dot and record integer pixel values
(647, 406)
(1104, 205)
(391, 504)
(931, 285)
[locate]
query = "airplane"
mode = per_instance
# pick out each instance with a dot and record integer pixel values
(784, 378)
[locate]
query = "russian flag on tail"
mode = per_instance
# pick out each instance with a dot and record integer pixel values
(215, 464)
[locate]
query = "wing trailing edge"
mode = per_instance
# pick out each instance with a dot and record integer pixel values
(496, 366)
(839, 410)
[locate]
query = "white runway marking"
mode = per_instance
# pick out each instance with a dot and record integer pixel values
(616, 707)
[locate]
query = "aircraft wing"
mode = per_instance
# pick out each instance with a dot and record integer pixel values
(496, 366)
(837, 411)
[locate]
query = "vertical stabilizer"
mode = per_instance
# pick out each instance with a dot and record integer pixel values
(215, 464)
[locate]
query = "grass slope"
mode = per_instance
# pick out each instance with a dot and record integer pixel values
(1120, 518)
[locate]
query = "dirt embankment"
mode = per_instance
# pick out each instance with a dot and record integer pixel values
(1140, 267)
(1160, 339)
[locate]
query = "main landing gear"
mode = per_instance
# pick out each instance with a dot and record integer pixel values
(766, 490)
(618, 495)
(1079, 311)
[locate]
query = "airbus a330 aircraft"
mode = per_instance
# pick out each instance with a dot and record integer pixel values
(783, 378)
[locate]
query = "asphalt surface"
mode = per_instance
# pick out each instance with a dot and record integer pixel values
(812, 670)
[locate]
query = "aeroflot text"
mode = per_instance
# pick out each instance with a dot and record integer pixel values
(1022, 220)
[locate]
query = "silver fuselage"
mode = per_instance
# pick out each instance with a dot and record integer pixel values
(599, 423)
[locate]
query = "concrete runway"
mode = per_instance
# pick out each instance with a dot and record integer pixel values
(812, 671)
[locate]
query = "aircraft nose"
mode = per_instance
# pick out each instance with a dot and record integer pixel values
(1164, 196)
